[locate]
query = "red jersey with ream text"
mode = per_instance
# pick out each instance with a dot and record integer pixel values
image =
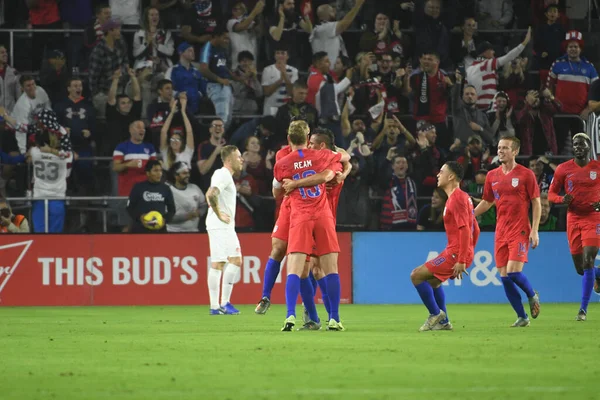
(305, 202)
(333, 194)
(583, 183)
(512, 193)
(284, 151)
(458, 213)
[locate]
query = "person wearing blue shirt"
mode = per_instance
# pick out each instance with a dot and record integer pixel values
(214, 67)
(186, 78)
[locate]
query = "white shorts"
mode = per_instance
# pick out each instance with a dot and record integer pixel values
(223, 244)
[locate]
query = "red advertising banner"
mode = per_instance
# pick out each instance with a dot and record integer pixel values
(162, 269)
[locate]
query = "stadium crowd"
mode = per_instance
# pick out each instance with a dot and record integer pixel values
(403, 85)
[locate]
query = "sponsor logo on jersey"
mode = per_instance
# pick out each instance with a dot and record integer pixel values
(152, 196)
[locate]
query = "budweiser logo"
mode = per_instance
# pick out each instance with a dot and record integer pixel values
(11, 256)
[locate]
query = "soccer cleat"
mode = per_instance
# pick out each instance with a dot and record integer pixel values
(230, 309)
(310, 326)
(582, 316)
(288, 324)
(521, 323)
(218, 311)
(534, 305)
(305, 316)
(597, 286)
(263, 306)
(443, 327)
(333, 325)
(432, 321)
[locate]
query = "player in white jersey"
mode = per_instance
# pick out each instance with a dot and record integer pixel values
(225, 251)
(50, 173)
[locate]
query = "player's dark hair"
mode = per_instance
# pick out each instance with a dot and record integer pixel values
(457, 169)
(151, 164)
(227, 151)
(324, 135)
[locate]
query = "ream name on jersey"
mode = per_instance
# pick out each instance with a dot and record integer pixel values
(303, 164)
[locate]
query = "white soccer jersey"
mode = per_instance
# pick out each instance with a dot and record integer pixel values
(223, 181)
(50, 173)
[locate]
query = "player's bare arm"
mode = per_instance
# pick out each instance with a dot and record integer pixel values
(536, 208)
(322, 177)
(483, 207)
(212, 195)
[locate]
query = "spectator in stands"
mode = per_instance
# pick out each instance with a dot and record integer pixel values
(77, 115)
(342, 64)
(186, 78)
(33, 99)
(200, 22)
(44, 14)
(482, 74)
(277, 81)
(463, 48)
(326, 36)
(10, 90)
(350, 130)
(515, 80)
(131, 157)
(264, 128)
(467, 118)
(190, 202)
(76, 14)
(487, 220)
(428, 87)
(171, 12)
(535, 123)
(547, 42)
(247, 201)
(594, 99)
(247, 89)
(393, 82)
(501, 117)
(538, 12)
(384, 39)
(121, 110)
(159, 109)
(153, 43)
(494, 14)
(548, 222)
(214, 67)
(256, 165)
(108, 56)
(10, 223)
(429, 158)
(150, 195)
(244, 30)
(296, 108)
(430, 32)
(399, 207)
(474, 158)
(570, 79)
(283, 31)
(209, 152)
(354, 208)
(176, 147)
(393, 139)
(126, 11)
(54, 76)
(94, 34)
(431, 216)
(541, 167)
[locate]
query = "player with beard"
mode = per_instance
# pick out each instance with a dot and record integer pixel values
(580, 180)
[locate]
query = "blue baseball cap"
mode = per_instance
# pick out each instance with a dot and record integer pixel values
(183, 47)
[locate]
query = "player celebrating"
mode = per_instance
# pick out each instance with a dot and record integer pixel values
(512, 187)
(462, 232)
(311, 221)
(580, 179)
(225, 252)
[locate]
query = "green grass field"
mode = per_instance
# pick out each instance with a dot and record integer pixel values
(182, 353)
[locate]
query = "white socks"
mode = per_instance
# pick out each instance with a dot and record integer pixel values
(214, 286)
(229, 276)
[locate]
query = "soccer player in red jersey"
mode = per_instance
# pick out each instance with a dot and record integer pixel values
(311, 221)
(512, 187)
(462, 232)
(580, 179)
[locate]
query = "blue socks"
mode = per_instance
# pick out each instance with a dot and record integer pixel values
(292, 289)
(334, 292)
(313, 281)
(440, 299)
(323, 286)
(587, 285)
(308, 298)
(513, 295)
(521, 280)
(426, 292)
(271, 272)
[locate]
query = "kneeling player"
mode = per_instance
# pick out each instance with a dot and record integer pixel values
(462, 232)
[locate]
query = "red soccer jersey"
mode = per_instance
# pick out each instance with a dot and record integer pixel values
(583, 183)
(284, 151)
(512, 193)
(458, 213)
(333, 194)
(306, 202)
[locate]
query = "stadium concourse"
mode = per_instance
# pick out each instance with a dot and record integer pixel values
(110, 110)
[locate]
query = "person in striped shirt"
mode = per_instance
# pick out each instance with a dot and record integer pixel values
(483, 73)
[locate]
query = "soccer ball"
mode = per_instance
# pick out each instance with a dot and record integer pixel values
(154, 221)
